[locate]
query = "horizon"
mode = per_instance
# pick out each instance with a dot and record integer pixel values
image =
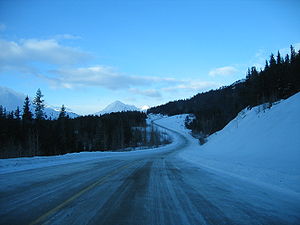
(58, 108)
(137, 52)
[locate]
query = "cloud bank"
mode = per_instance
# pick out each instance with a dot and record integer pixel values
(102, 76)
(152, 93)
(60, 66)
(21, 55)
(109, 78)
(223, 71)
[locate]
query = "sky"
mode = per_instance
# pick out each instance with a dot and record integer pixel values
(87, 54)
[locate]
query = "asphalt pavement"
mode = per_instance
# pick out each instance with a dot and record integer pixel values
(158, 188)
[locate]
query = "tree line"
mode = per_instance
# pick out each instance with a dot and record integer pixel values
(23, 133)
(279, 79)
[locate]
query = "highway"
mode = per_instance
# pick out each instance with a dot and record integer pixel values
(148, 188)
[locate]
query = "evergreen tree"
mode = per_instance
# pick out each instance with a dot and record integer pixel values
(272, 60)
(17, 113)
(27, 115)
(287, 59)
(62, 113)
(293, 53)
(10, 115)
(39, 105)
(266, 65)
(254, 72)
(279, 60)
(248, 75)
(1, 112)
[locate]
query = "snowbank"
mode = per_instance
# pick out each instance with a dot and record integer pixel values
(262, 146)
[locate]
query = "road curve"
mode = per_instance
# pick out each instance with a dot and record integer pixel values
(155, 188)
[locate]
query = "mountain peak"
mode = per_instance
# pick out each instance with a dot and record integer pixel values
(10, 99)
(117, 106)
(145, 107)
(117, 102)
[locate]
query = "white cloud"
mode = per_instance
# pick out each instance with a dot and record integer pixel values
(103, 76)
(21, 55)
(66, 37)
(90, 76)
(192, 85)
(28, 55)
(153, 93)
(35, 56)
(109, 78)
(223, 71)
(2, 27)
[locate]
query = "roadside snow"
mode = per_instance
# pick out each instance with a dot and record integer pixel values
(26, 163)
(261, 146)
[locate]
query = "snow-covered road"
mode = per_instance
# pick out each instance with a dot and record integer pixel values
(146, 187)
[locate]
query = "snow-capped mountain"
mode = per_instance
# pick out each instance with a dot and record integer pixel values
(10, 99)
(144, 108)
(54, 113)
(117, 106)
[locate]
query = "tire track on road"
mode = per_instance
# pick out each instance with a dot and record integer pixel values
(54, 210)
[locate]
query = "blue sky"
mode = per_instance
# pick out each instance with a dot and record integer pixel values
(87, 54)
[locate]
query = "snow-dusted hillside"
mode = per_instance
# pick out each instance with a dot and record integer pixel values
(54, 113)
(262, 146)
(11, 99)
(117, 106)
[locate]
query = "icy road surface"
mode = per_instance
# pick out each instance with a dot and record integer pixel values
(146, 187)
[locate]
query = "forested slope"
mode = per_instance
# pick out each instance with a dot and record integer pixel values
(214, 109)
(30, 137)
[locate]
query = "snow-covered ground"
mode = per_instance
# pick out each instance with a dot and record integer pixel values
(260, 146)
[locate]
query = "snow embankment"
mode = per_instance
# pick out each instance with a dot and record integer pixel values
(262, 146)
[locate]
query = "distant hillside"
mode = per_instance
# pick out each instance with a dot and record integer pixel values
(117, 106)
(214, 109)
